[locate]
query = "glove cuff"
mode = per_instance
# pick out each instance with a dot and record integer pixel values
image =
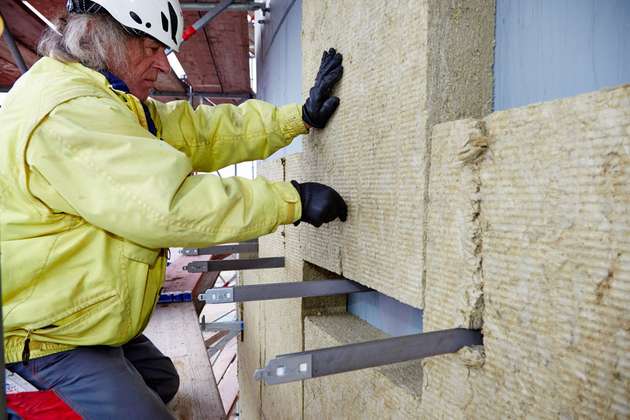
(307, 118)
(297, 186)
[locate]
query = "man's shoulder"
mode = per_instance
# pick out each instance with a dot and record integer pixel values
(53, 81)
(50, 83)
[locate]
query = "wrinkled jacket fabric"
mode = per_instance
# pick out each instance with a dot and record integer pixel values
(89, 199)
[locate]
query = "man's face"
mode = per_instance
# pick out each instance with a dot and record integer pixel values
(145, 60)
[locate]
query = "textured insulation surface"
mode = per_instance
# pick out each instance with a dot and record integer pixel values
(391, 392)
(555, 222)
(453, 293)
(528, 237)
(408, 64)
(273, 327)
(374, 149)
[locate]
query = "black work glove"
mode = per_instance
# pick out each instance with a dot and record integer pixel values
(320, 106)
(320, 204)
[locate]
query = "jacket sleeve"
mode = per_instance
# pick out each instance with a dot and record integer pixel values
(214, 137)
(115, 175)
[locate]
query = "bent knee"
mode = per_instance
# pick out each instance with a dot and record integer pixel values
(169, 386)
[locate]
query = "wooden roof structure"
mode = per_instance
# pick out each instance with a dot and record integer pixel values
(216, 60)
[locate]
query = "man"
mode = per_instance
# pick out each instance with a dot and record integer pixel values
(96, 181)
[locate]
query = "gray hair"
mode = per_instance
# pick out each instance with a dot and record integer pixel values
(95, 40)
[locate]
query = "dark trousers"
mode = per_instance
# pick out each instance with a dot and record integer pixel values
(134, 381)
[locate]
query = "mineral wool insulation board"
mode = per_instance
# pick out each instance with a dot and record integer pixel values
(553, 234)
(276, 324)
(375, 150)
(252, 350)
(388, 392)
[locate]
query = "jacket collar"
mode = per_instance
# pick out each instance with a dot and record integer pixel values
(118, 84)
(115, 81)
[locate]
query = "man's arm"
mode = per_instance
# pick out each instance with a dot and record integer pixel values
(214, 137)
(116, 176)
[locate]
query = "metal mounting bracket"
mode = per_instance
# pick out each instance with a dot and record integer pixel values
(285, 369)
(234, 265)
(234, 328)
(333, 360)
(281, 291)
(221, 249)
(222, 326)
(212, 350)
(217, 295)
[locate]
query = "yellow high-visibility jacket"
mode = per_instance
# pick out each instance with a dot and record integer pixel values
(89, 198)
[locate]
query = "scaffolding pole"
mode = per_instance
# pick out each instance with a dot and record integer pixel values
(15, 52)
(204, 7)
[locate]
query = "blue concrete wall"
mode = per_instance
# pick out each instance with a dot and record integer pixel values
(279, 60)
(385, 313)
(548, 49)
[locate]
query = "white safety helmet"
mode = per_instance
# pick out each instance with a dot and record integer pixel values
(162, 20)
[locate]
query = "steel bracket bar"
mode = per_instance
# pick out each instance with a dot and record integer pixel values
(13, 48)
(204, 20)
(202, 7)
(281, 291)
(234, 265)
(218, 295)
(333, 360)
(212, 350)
(222, 326)
(212, 13)
(222, 249)
(289, 368)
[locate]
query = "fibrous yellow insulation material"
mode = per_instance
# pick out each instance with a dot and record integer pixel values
(555, 246)
(273, 327)
(408, 64)
(454, 282)
(391, 392)
(374, 149)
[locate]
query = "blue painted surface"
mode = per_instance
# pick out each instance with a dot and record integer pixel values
(385, 313)
(549, 49)
(279, 60)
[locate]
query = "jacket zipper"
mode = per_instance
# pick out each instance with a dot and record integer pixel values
(26, 351)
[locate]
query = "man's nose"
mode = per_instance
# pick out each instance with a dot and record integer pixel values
(161, 63)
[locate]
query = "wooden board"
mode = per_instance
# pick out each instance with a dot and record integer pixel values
(174, 329)
(234, 412)
(179, 280)
(214, 337)
(218, 311)
(228, 387)
(206, 281)
(225, 359)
